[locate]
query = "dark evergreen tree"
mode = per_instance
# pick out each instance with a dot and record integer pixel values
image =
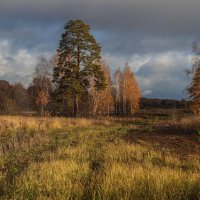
(78, 58)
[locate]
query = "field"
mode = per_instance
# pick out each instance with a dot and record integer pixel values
(154, 155)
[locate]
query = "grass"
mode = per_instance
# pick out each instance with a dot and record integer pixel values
(59, 158)
(190, 125)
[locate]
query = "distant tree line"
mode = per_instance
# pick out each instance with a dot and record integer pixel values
(13, 98)
(42, 96)
(16, 99)
(164, 103)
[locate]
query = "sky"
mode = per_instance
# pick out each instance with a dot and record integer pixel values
(154, 36)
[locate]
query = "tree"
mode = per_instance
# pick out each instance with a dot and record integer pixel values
(41, 86)
(21, 97)
(127, 94)
(42, 100)
(102, 102)
(7, 104)
(118, 92)
(131, 92)
(43, 75)
(78, 61)
(194, 88)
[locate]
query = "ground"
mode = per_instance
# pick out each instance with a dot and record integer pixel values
(147, 156)
(165, 138)
(157, 128)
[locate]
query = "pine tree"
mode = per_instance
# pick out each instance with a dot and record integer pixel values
(78, 61)
(194, 89)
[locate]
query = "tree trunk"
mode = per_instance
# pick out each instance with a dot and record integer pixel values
(108, 114)
(75, 105)
(42, 110)
(131, 107)
(95, 104)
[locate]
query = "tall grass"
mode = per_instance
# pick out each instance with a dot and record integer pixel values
(88, 159)
(190, 124)
(46, 123)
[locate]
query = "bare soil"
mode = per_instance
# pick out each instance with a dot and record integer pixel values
(166, 138)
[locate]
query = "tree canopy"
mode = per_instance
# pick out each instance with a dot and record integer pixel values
(78, 61)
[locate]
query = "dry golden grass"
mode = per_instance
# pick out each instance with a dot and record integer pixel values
(190, 124)
(118, 171)
(88, 159)
(46, 123)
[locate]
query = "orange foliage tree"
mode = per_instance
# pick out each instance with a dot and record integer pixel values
(102, 101)
(127, 93)
(42, 100)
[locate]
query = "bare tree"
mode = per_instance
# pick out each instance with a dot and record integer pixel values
(41, 85)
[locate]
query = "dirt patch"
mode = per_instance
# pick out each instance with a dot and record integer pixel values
(166, 139)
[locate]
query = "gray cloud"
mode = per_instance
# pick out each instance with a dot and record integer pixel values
(141, 15)
(18, 65)
(122, 27)
(164, 75)
(17, 78)
(134, 31)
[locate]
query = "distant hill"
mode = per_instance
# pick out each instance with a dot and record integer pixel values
(164, 103)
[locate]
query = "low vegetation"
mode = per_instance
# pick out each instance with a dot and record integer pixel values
(67, 158)
(190, 124)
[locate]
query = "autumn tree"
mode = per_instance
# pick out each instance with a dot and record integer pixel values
(127, 92)
(102, 101)
(131, 92)
(42, 100)
(78, 61)
(194, 88)
(41, 86)
(119, 78)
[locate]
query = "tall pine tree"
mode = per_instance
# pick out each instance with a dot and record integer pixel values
(78, 61)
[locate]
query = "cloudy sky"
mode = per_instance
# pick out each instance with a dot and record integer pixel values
(153, 36)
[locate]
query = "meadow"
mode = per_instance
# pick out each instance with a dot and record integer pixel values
(117, 158)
